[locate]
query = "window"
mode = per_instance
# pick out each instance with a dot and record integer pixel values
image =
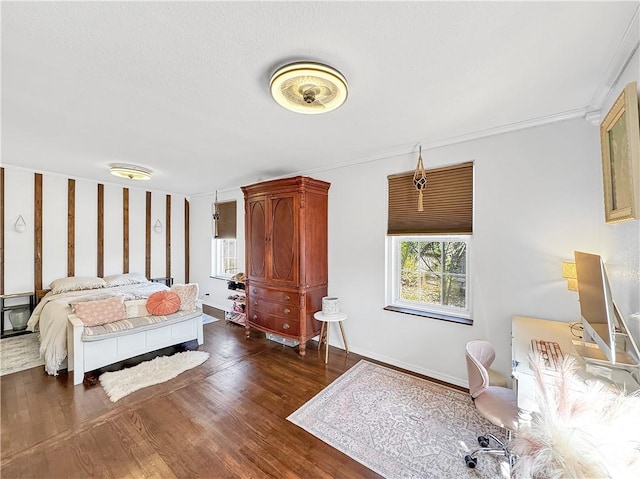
(225, 257)
(428, 251)
(224, 250)
(429, 274)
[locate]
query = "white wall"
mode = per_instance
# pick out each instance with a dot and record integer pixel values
(621, 244)
(19, 247)
(213, 291)
(538, 197)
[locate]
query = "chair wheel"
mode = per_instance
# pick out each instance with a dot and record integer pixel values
(471, 462)
(483, 441)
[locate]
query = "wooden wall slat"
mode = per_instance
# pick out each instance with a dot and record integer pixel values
(37, 232)
(186, 240)
(125, 230)
(147, 241)
(168, 237)
(2, 229)
(71, 227)
(100, 230)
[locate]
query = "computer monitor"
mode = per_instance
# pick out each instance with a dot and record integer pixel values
(601, 320)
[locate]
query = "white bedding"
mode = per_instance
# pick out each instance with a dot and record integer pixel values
(51, 314)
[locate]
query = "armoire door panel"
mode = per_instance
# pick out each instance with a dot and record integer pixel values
(257, 238)
(283, 239)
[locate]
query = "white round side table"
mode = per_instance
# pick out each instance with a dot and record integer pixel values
(324, 331)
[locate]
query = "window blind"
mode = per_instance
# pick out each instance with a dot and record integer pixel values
(448, 202)
(227, 221)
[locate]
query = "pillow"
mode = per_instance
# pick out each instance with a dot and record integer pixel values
(124, 279)
(162, 303)
(76, 283)
(102, 311)
(84, 299)
(188, 294)
(136, 308)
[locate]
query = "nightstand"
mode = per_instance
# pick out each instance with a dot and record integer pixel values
(20, 310)
(165, 281)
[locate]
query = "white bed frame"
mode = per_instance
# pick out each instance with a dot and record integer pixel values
(86, 356)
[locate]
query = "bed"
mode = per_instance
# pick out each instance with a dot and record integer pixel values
(51, 317)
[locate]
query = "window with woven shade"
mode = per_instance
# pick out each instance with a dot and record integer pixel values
(225, 225)
(448, 202)
(428, 251)
(224, 251)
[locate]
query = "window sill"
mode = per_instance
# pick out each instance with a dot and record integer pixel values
(222, 278)
(426, 314)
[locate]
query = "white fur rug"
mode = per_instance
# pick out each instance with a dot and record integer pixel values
(118, 384)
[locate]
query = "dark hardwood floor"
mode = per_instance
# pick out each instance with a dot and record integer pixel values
(225, 418)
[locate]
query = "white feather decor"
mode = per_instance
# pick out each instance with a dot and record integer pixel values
(585, 429)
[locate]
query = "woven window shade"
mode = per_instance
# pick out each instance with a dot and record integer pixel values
(448, 202)
(227, 221)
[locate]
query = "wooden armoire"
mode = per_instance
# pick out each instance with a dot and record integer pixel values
(286, 256)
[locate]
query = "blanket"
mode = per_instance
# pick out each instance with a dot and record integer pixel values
(51, 315)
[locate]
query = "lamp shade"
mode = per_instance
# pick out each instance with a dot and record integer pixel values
(570, 274)
(309, 88)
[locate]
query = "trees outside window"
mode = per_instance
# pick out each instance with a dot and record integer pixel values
(430, 273)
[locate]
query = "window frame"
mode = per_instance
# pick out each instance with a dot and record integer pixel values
(392, 287)
(218, 259)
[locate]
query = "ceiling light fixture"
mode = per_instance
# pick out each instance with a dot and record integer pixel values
(131, 172)
(309, 88)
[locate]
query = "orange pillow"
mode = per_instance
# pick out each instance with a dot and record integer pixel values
(162, 303)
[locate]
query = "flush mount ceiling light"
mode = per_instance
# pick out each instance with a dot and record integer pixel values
(131, 172)
(309, 87)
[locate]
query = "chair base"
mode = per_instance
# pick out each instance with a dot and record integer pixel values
(471, 459)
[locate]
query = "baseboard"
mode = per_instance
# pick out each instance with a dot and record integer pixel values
(462, 382)
(213, 311)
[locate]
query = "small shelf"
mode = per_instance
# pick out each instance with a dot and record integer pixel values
(237, 298)
(27, 304)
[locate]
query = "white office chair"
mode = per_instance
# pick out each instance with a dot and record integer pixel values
(496, 403)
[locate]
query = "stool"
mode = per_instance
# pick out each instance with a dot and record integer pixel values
(324, 331)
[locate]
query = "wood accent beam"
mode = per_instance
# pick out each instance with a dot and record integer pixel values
(71, 227)
(125, 230)
(147, 240)
(3, 231)
(37, 231)
(186, 240)
(100, 265)
(167, 230)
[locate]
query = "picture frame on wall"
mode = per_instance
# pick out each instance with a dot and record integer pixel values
(620, 143)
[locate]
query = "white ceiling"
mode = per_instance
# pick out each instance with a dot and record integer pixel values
(182, 87)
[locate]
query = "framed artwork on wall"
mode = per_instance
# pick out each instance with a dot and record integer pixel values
(620, 142)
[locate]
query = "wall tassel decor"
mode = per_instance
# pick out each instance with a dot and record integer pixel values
(420, 179)
(216, 216)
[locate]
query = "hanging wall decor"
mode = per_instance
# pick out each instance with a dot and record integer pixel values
(420, 179)
(216, 216)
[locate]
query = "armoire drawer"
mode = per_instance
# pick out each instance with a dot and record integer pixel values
(275, 323)
(278, 309)
(274, 295)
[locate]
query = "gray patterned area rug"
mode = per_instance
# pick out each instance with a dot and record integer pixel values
(19, 353)
(400, 426)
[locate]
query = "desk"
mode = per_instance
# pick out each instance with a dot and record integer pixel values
(523, 330)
